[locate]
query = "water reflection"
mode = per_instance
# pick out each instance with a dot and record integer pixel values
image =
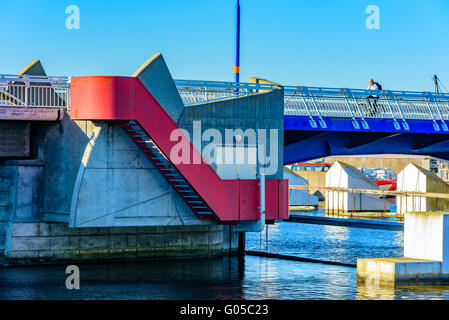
(193, 279)
(371, 292)
(234, 278)
(331, 243)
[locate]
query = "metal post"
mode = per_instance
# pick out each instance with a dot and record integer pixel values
(354, 121)
(364, 123)
(262, 194)
(435, 81)
(433, 99)
(308, 196)
(266, 238)
(237, 45)
(396, 124)
(241, 250)
(435, 124)
(27, 86)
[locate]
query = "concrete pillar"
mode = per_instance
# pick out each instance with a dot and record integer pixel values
(242, 244)
(426, 236)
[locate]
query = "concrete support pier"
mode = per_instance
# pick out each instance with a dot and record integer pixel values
(81, 190)
(426, 236)
(426, 254)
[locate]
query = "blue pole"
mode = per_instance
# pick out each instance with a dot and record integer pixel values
(237, 46)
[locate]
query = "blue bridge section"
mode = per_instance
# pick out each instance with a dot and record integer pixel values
(321, 122)
(301, 142)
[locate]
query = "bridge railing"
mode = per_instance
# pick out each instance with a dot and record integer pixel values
(317, 102)
(361, 104)
(34, 91)
(313, 102)
(197, 91)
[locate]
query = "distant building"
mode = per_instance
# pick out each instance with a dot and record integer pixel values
(342, 175)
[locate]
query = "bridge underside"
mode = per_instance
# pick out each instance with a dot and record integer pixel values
(301, 142)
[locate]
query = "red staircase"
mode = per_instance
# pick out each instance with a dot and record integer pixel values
(126, 99)
(168, 170)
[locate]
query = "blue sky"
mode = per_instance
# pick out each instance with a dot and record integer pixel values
(293, 42)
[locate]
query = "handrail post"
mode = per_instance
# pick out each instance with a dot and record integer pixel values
(435, 124)
(443, 124)
(364, 123)
(321, 120)
(311, 120)
(355, 123)
(393, 97)
(396, 124)
(262, 194)
(27, 86)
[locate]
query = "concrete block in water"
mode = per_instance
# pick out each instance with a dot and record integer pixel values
(426, 254)
(399, 271)
(426, 236)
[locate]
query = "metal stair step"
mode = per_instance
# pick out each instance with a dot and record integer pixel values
(162, 163)
(140, 136)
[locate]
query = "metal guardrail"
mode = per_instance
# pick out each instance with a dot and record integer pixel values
(360, 104)
(34, 91)
(375, 191)
(198, 91)
(313, 102)
(317, 103)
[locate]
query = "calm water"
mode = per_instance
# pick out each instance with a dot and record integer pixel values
(257, 278)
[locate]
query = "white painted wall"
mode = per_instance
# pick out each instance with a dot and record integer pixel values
(299, 197)
(411, 179)
(426, 236)
(346, 176)
(414, 178)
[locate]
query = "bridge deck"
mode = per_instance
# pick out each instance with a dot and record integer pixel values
(41, 98)
(319, 105)
(318, 121)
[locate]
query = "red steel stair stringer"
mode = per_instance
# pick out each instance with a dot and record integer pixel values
(126, 99)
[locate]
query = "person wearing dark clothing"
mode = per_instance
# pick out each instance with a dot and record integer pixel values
(372, 99)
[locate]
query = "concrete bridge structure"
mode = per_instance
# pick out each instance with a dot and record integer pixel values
(101, 162)
(78, 188)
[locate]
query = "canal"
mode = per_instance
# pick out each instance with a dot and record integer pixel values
(256, 278)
